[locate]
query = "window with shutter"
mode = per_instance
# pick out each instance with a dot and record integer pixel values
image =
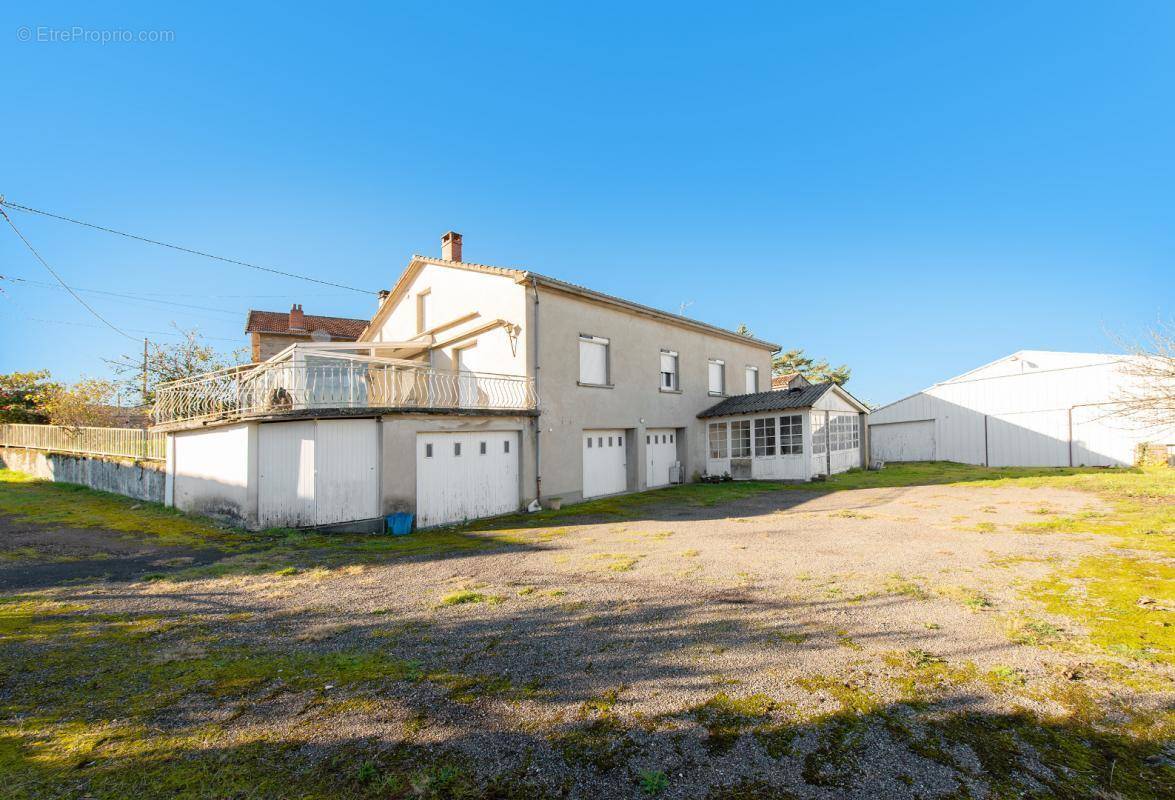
(668, 369)
(717, 376)
(593, 360)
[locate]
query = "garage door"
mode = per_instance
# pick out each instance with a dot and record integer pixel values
(317, 472)
(462, 476)
(902, 441)
(660, 455)
(605, 468)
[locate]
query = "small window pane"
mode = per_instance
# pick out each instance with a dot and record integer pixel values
(619, 441)
(483, 448)
(589, 441)
(506, 446)
(456, 448)
(599, 441)
(671, 438)
(609, 441)
(428, 451)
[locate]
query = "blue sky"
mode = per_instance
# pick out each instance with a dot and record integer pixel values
(910, 188)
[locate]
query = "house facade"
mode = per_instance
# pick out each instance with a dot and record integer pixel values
(471, 392)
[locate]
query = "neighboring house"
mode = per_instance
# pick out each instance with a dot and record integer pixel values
(790, 380)
(472, 391)
(1032, 408)
(790, 434)
(270, 332)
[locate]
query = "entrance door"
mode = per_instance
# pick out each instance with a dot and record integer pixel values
(660, 455)
(605, 467)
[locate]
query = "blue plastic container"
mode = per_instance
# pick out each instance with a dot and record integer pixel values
(400, 524)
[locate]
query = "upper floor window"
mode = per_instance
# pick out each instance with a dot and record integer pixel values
(423, 309)
(593, 360)
(752, 380)
(668, 370)
(717, 376)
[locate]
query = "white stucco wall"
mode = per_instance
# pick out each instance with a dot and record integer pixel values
(454, 293)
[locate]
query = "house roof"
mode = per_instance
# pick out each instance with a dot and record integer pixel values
(279, 322)
(781, 381)
(526, 276)
(776, 400)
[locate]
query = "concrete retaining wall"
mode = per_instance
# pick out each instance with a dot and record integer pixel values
(142, 480)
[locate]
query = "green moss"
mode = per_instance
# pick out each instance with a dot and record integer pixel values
(601, 743)
(725, 718)
(468, 597)
(41, 502)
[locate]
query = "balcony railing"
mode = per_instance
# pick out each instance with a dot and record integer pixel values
(328, 383)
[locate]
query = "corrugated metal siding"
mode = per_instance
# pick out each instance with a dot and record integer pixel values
(903, 441)
(1027, 413)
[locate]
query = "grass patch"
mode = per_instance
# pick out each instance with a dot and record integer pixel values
(463, 597)
(41, 502)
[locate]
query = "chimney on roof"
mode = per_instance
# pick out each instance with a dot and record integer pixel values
(383, 295)
(297, 319)
(451, 246)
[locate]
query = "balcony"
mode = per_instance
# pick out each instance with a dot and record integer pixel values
(324, 381)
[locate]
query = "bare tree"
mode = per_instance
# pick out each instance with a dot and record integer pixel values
(1150, 397)
(169, 362)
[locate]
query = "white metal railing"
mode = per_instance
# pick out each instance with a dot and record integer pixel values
(126, 442)
(324, 383)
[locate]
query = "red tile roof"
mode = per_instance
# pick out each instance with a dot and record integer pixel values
(279, 322)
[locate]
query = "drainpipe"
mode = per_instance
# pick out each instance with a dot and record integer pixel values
(538, 428)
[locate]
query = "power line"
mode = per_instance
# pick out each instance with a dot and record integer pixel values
(122, 294)
(45, 264)
(180, 248)
(135, 330)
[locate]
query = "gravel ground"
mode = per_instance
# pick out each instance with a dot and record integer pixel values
(762, 648)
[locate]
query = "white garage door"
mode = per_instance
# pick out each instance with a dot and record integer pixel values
(902, 441)
(317, 472)
(462, 476)
(660, 455)
(605, 467)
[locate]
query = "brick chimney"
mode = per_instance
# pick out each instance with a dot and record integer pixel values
(297, 320)
(451, 246)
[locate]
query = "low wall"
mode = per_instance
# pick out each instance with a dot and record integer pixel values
(142, 480)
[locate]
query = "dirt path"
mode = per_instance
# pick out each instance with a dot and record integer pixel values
(789, 644)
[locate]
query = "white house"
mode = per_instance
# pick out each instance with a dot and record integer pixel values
(476, 389)
(1032, 408)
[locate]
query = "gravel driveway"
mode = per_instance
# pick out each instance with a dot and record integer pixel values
(789, 644)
